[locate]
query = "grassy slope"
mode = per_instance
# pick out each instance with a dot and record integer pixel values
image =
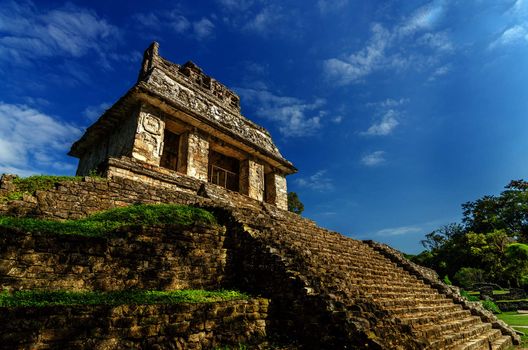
(103, 223)
(64, 298)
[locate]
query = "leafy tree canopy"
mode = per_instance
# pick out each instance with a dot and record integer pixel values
(488, 245)
(294, 203)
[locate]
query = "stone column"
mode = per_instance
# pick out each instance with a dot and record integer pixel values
(194, 155)
(149, 137)
(252, 179)
(276, 190)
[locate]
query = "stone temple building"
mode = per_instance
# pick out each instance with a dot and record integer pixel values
(177, 121)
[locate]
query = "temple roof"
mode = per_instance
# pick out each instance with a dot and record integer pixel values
(206, 102)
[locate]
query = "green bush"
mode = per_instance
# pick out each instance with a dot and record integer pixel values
(468, 296)
(491, 306)
(447, 280)
(466, 277)
(105, 222)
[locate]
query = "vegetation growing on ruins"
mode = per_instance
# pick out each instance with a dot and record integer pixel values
(31, 184)
(490, 245)
(102, 223)
(34, 298)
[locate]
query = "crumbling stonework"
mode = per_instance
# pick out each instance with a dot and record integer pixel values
(156, 258)
(179, 111)
(326, 291)
(198, 155)
(252, 179)
(177, 326)
(149, 137)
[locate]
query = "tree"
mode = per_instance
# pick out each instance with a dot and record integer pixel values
(488, 243)
(294, 203)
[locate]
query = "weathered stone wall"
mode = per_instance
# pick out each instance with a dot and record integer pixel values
(149, 136)
(197, 156)
(252, 179)
(163, 258)
(276, 190)
(178, 326)
(119, 143)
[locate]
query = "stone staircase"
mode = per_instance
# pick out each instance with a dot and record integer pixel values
(394, 308)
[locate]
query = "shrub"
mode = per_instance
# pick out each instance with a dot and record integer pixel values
(447, 280)
(466, 277)
(491, 306)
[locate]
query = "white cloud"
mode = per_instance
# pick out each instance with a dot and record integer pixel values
(29, 33)
(393, 49)
(385, 126)
(318, 181)
(512, 35)
(373, 159)
(440, 71)
(93, 112)
(175, 21)
(203, 28)
(265, 20)
(423, 18)
(388, 112)
(363, 62)
(294, 116)
(32, 142)
(399, 231)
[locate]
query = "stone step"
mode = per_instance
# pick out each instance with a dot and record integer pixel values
(412, 302)
(441, 327)
(412, 311)
(417, 319)
(502, 343)
(491, 339)
(481, 332)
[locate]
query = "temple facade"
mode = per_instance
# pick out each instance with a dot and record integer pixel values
(178, 122)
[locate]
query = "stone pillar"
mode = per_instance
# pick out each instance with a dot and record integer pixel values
(252, 179)
(194, 155)
(148, 143)
(276, 190)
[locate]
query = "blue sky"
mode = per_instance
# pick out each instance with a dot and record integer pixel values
(394, 112)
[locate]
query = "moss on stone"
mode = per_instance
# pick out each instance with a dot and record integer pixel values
(103, 223)
(32, 298)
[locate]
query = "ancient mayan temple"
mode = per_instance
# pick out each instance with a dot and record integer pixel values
(177, 120)
(177, 137)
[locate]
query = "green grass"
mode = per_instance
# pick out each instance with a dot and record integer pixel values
(103, 223)
(34, 183)
(516, 321)
(63, 298)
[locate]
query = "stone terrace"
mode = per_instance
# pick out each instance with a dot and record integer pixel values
(326, 291)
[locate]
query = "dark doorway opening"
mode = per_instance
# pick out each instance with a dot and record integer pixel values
(171, 146)
(224, 170)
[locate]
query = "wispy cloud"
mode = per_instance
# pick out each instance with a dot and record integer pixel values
(260, 17)
(294, 116)
(399, 231)
(31, 140)
(394, 48)
(373, 159)
(388, 112)
(317, 182)
(513, 35)
(385, 126)
(29, 33)
(91, 113)
(174, 20)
